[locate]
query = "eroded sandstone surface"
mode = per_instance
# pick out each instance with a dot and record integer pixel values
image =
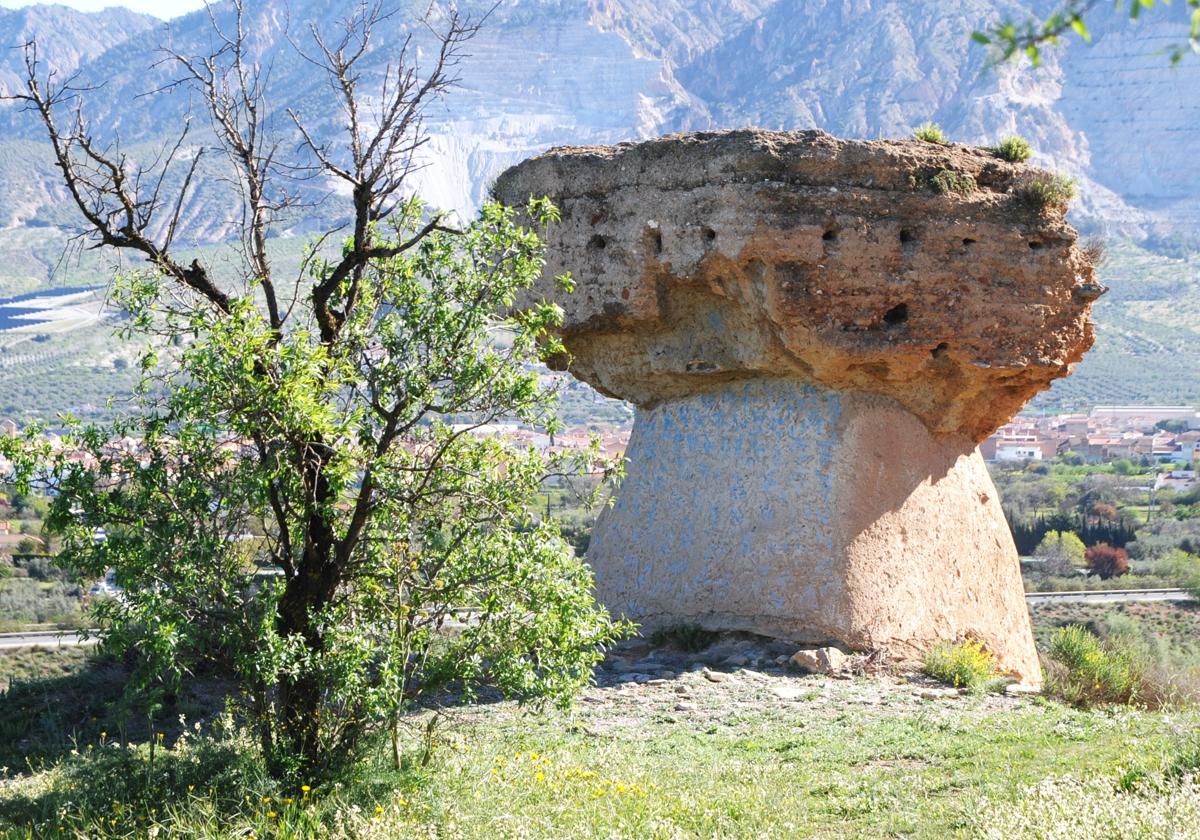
(816, 333)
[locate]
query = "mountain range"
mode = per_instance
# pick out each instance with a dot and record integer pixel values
(1115, 114)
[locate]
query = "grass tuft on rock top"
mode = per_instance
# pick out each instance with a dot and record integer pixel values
(1042, 191)
(1014, 149)
(931, 132)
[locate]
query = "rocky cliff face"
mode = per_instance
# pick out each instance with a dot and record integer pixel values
(68, 41)
(549, 72)
(552, 72)
(1116, 114)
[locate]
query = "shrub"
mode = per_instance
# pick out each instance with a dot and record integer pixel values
(1184, 568)
(1086, 672)
(947, 181)
(1014, 149)
(41, 567)
(967, 665)
(1043, 190)
(1106, 561)
(931, 132)
(1096, 254)
(688, 637)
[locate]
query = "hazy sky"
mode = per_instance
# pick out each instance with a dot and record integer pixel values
(158, 8)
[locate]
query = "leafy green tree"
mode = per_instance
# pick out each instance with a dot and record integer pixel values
(1061, 552)
(1124, 466)
(299, 497)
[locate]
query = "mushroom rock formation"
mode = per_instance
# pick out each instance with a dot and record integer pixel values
(816, 334)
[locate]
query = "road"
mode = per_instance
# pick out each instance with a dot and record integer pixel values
(43, 638)
(66, 638)
(1112, 596)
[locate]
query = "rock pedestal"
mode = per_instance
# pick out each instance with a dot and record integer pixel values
(816, 335)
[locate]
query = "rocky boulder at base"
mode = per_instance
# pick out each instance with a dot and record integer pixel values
(816, 334)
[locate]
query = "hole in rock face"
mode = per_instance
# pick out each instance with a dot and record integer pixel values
(656, 241)
(1035, 246)
(829, 235)
(968, 242)
(936, 352)
(906, 235)
(597, 243)
(898, 314)
(709, 236)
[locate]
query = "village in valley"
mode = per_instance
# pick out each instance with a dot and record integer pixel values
(1165, 437)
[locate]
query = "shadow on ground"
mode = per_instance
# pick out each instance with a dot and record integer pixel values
(44, 720)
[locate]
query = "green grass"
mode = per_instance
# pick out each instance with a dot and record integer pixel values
(849, 759)
(910, 772)
(27, 664)
(52, 701)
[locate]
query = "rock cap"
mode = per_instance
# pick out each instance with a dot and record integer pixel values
(931, 274)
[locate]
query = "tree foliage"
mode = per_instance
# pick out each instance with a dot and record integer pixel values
(1106, 562)
(1027, 38)
(1061, 552)
(1028, 533)
(298, 497)
(1185, 568)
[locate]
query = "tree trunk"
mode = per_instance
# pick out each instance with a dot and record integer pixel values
(306, 594)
